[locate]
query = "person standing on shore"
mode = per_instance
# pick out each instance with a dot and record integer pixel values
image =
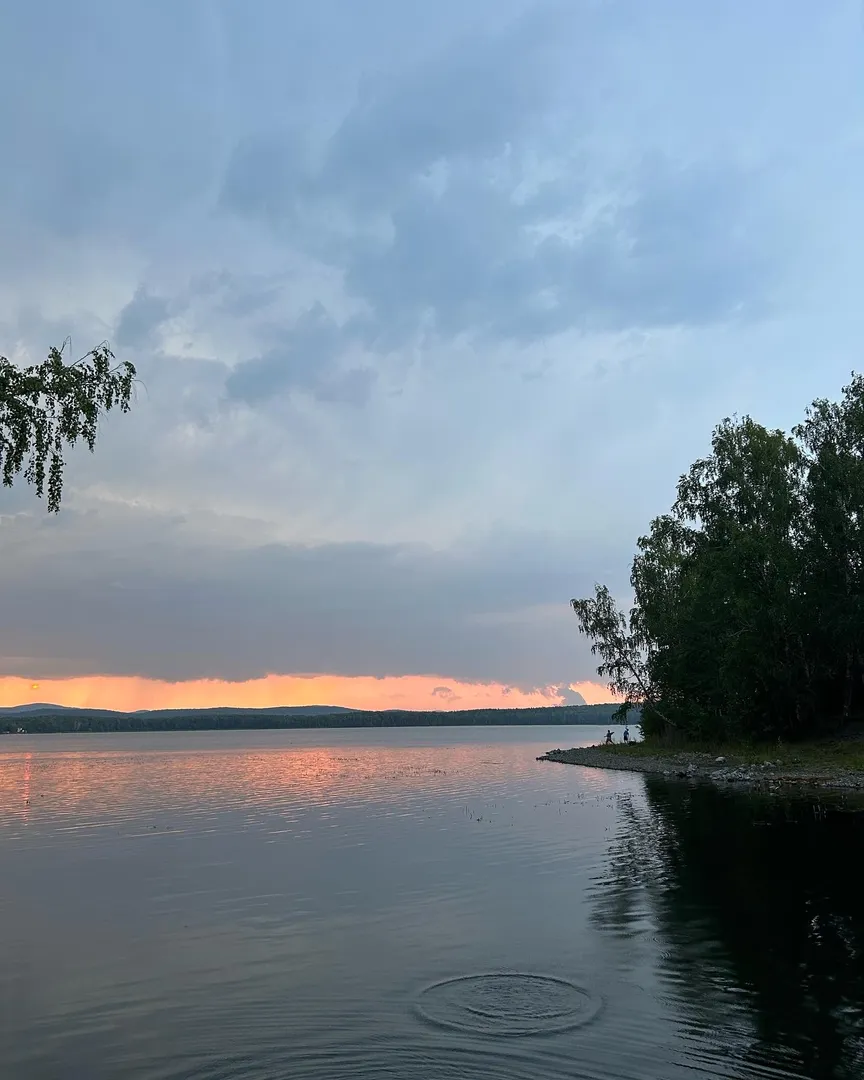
(609, 736)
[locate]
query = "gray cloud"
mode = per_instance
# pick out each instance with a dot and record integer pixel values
(306, 359)
(683, 249)
(464, 102)
(162, 607)
(467, 103)
(570, 697)
(458, 270)
(688, 247)
(141, 318)
(445, 222)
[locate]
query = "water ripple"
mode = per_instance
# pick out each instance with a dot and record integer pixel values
(259, 906)
(508, 1004)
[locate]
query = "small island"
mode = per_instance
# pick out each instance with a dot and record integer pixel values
(744, 647)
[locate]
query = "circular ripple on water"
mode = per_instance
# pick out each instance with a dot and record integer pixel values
(508, 1003)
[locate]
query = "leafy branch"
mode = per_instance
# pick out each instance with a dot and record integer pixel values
(47, 407)
(623, 659)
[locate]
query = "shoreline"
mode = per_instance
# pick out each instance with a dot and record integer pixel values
(756, 768)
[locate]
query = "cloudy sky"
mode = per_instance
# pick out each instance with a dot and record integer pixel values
(431, 304)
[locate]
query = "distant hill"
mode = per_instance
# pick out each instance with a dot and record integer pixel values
(41, 707)
(37, 719)
(277, 710)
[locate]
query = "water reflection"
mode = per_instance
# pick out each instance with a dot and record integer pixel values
(759, 905)
(25, 788)
(102, 784)
(400, 904)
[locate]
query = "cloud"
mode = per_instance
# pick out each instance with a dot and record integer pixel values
(306, 360)
(141, 318)
(443, 199)
(465, 103)
(682, 248)
(570, 696)
(429, 313)
(206, 611)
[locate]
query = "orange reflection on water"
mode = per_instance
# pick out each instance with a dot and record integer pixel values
(90, 785)
(25, 792)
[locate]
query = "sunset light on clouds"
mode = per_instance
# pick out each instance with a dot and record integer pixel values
(407, 692)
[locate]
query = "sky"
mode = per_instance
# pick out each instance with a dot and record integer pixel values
(431, 305)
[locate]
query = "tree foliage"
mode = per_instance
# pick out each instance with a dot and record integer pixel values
(47, 407)
(749, 594)
(622, 652)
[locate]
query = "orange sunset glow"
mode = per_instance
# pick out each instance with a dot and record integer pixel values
(359, 692)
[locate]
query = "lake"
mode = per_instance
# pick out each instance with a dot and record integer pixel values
(414, 903)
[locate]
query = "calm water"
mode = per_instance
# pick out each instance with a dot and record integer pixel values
(415, 903)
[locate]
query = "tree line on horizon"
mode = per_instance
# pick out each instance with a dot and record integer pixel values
(60, 722)
(748, 613)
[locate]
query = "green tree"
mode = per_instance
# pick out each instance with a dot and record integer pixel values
(832, 438)
(749, 593)
(47, 407)
(624, 652)
(729, 638)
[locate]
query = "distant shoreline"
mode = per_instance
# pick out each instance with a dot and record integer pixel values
(81, 721)
(836, 765)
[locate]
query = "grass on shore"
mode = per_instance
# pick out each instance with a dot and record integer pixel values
(827, 754)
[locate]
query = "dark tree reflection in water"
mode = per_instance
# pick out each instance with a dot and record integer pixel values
(760, 904)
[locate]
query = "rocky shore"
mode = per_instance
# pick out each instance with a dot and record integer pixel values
(691, 765)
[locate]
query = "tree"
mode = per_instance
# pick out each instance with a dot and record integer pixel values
(749, 594)
(832, 437)
(47, 407)
(726, 632)
(621, 649)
